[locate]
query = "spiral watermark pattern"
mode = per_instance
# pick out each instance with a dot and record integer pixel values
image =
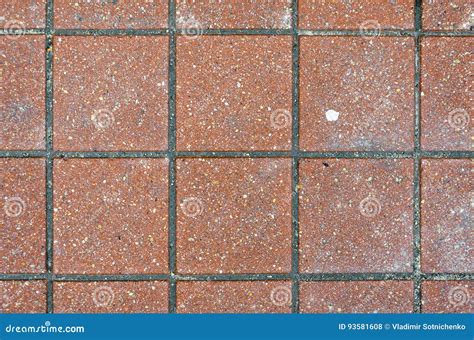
(281, 296)
(14, 29)
(458, 119)
(103, 296)
(192, 207)
(370, 28)
(14, 206)
(370, 207)
(280, 119)
(459, 296)
(102, 119)
(192, 29)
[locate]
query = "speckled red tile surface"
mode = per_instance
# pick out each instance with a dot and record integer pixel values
(138, 14)
(222, 156)
(233, 216)
(111, 216)
(22, 92)
(356, 216)
(111, 297)
(446, 216)
(356, 297)
(110, 93)
(22, 219)
(234, 297)
(356, 93)
(448, 296)
(23, 296)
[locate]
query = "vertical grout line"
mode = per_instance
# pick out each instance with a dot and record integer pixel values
(417, 166)
(295, 159)
(49, 152)
(172, 155)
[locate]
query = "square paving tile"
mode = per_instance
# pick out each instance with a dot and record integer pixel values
(111, 216)
(356, 93)
(111, 297)
(23, 217)
(441, 15)
(23, 296)
(356, 297)
(137, 14)
(447, 200)
(21, 14)
(194, 16)
(372, 15)
(447, 296)
(446, 99)
(22, 91)
(356, 215)
(233, 93)
(233, 216)
(234, 297)
(111, 93)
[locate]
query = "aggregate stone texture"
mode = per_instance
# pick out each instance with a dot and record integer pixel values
(233, 216)
(356, 215)
(448, 15)
(23, 296)
(111, 14)
(111, 297)
(22, 92)
(110, 93)
(356, 297)
(446, 97)
(22, 14)
(367, 15)
(194, 16)
(234, 297)
(23, 217)
(447, 296)
(356, 93)
(233, 93)
(111, 216)
(447, 202)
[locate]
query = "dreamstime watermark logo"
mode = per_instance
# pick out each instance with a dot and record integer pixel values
(14, 206)
(459, 296)
(192, 28)
(102, 119)
(14, 29)
(280, 118)
(458, 119)
(281, 296)
(370, 207)
(192, 207)
(103, 296)
(370, 28)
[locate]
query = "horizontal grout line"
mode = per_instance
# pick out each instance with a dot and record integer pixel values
(241, 277)
(288, 32)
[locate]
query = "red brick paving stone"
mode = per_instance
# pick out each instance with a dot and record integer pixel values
(22, 219)
(356, 297)
(111, 93)
(234, 297)
(356, 93)
(446, 84)
(21, 14)
(108, 14)
(447, 200)
(111, 297)
(447, 296)
(340, 14)
(22, 92)
(233, 216)
(356, 215)
(442, 15)
(23, 297)
(234, 93)
(111, 216)
(194, 16)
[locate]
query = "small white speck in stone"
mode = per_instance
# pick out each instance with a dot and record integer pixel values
(332, 115)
